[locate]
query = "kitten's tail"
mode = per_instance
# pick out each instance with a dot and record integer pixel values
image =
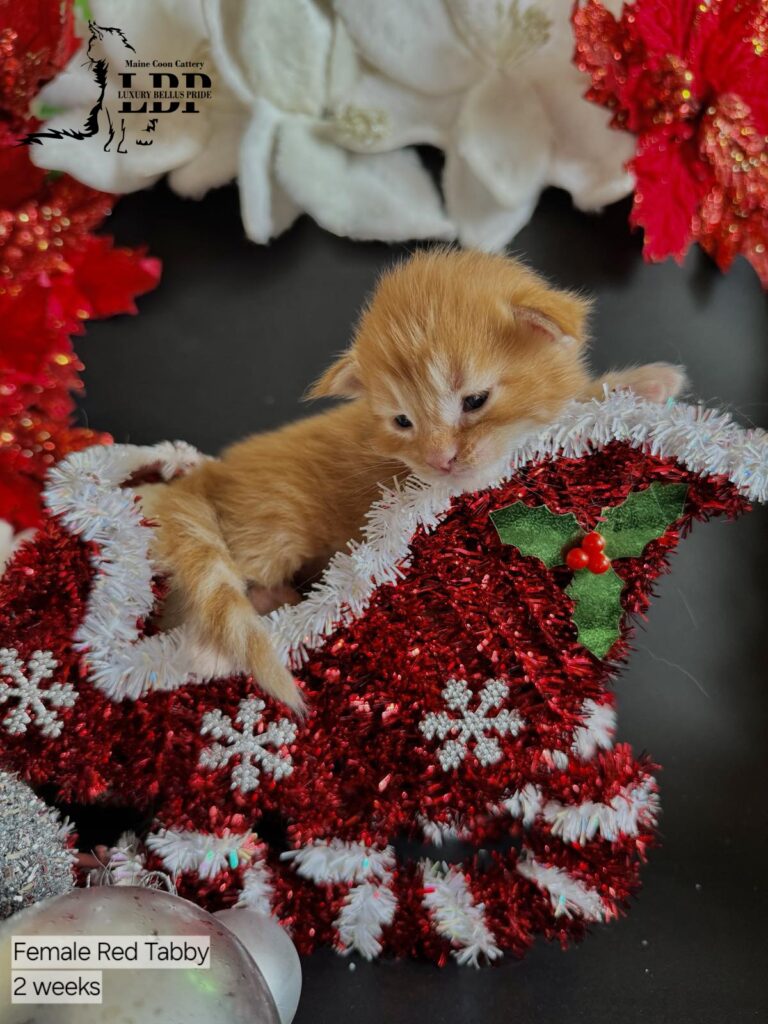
(189, 544)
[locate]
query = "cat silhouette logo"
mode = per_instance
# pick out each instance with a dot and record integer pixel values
(130, 95)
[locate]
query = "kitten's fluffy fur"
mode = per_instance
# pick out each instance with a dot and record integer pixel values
(440, 327)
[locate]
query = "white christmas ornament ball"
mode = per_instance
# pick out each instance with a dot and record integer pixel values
(275, 955)
(230, 991)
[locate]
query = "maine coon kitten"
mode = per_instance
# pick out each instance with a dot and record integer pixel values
(456, 354)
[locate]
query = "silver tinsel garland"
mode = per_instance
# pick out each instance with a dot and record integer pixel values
(35, 860)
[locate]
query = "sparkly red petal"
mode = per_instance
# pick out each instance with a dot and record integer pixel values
(671, 181)
(37, 38)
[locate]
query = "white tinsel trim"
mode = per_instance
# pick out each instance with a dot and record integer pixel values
(367, 909)
(335, 861)
(597, 732)
(455, 915)
(633, 808)
(630, 810)
(705, 441)
(201, 852)
(524, 803)
(84, 490)
(258, 890)
(370, 903)
(438, 832)
(126, 864)
(569, 896)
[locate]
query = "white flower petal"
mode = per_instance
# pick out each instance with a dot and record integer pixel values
(505, 137)
(217, 162)
(73, 87)
(501, 33)
(481, 221)
(154, 31)
(412, 41)
(180, 140)
(386, 196)
(276, 49)
(589, 157)
(165, 29)
(380, 115)
(264, 207)
(343, 65)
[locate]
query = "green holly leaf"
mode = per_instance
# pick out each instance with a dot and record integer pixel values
(597, 612)
(643, 517)
(536, 531)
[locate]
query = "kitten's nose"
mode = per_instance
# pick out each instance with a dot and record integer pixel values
(443, 460)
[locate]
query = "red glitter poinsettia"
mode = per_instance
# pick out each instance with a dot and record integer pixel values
(55, 274)
(37, 38)
(691, 81)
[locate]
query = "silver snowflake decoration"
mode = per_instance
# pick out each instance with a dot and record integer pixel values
(30, 696)
(248, 744)
(468, 725)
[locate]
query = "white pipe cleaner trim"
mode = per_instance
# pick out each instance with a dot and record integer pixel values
(201, 852)
(633, 808)
(367, 909)
(84, 490)
(370, 904)
(703, 440)
(569, 896)
(258, 890)
(630, 810)
(439, 832)
(524, 803)
(597, 732)
(334, 861)
(455, 915)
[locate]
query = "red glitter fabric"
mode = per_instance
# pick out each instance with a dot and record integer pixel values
(691, 81)
(364, 771)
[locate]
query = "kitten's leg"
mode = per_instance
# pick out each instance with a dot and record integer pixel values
(266, 599)
(190, 544)
(657, 382)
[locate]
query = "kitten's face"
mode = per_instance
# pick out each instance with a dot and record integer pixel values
(453, 414)
(458, 355)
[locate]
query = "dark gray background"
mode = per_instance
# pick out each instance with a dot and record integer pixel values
(226, 346)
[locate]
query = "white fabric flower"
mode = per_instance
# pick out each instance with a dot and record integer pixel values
(492, 83)
(279, 70)
(163, 30)
(288, 63)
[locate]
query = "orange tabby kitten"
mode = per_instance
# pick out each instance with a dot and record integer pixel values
(456, 355)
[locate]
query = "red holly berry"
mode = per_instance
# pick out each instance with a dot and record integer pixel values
(577, 558)
(598, 562)
(593, 543)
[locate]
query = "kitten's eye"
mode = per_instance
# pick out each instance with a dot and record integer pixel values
(403, 422)
(473, 402)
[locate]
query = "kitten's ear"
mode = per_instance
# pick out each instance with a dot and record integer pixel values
(541, 325)
(560, 317)
(340, 380)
